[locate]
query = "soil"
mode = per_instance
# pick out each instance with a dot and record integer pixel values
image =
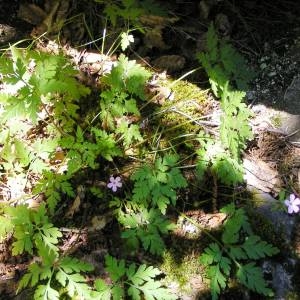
(266, 32)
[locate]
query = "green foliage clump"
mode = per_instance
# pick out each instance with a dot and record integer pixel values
(82, 152)
(155, 186)
(213, 158)
(223, 63)
(36, 80)
(234, 129)
(65, 271)
(138, 283)
(40, 90)
(146, 226)
(130, 10)
(239, 247)
(31, 229)
(44, 88)
(33, 233)
(154, 190)
(119, 103)
(229, 76)
(53, 186)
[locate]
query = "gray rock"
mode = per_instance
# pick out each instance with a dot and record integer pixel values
(292, 96)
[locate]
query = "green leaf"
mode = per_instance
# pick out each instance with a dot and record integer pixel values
(211, 254)
(103, 290)
(157, 184)
(237, 220)
(143, 280)
(228, 170)
(143, 273)
(255, 248)
(126, 39)
(130, 133)
(61, 277)
(115, 268)
(212, 43)
(21, 152)
(128, 76)
(237, 252)
(49, 235)
(46, 292)
(217, 280)
(134, 292)
(252, 277)
(117, 292)
(154, 290)
(146, 226)
(75, 284)
(72, 264)
(6, 227)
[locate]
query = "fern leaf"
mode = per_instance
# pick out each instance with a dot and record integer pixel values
(217, 280)
(46, 292)
(134, 292)
(24, 282)
(127, 75)
(61, 277)
(6, 226)
(237, 252)
(252, 277)
(23, 234)
(143, 281)
(146, 226)
(49, 235)
(34, 275)
(130, 133)
(143, 273)
(218, 267)
(152, 242)
(154, 290)
(126, 39)
(237, 221)
(52, 200)
(103, 291)
(77, 286)
(255, 248)
(115, 268)
(72, 264)
(211, 254)
(212, 43)
(117, 292)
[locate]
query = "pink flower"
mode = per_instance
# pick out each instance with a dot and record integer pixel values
(114, 183)
(293, 204)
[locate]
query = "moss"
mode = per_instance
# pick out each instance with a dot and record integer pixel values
(185, 90)
(276, 120)
(189, 103)
(179, 116)
(182, 271)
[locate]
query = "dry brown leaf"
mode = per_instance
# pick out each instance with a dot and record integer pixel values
(171, 63)
(151, 20)
(99, 222)
(153, 38)
(74, 208)
(261, 176)
(31, 13)
(76, 203)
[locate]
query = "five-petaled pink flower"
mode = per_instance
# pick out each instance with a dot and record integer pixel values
(114, 183)
(292, 204)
